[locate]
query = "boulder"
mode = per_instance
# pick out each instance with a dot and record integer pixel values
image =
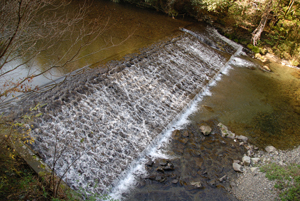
(205, 129)
(237, 167)
(225, 132)
(246, 160)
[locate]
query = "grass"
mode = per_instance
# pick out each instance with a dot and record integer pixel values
(287, 180)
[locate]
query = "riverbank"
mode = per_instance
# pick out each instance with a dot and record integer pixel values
(275, 177)
(238, 20)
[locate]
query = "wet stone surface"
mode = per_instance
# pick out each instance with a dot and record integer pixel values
(201, 168)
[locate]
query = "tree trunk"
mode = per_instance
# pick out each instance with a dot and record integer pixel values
(257, 32)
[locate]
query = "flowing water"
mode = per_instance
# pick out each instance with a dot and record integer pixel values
(102, 126)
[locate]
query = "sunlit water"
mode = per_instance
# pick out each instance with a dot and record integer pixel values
(262, 106)
(106, 122)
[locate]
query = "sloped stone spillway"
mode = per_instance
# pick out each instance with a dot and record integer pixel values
(96, 124)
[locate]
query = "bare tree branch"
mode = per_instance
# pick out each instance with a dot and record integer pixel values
(257, 32)
(30, 28)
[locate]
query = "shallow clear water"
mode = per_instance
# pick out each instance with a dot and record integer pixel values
(262, 106)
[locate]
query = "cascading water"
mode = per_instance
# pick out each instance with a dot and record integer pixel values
(97, 125)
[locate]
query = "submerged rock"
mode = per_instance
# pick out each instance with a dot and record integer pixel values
(196, 184)
(212, 183)
(169, 166)
(223, 178)
(175, 181)
(241, 137)
(149, 163)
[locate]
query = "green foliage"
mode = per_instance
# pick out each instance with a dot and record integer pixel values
(287, 180)
(17, 180)
(211, 5)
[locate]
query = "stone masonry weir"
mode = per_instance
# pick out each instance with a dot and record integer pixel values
(96, 124)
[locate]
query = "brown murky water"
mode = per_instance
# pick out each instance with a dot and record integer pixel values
(126, 29)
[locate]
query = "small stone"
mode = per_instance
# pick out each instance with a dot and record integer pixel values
(250, 153)
(237, 167)
(255, 160)
(241, 137)
(246, 160)
(163, 162)
(223, 178)
(149, 163)
(174, 181)
(254, 169)
(160, 178)
(212, 183)
(196, 184)
(169, 166)
(266, 68)
(205, 129)
(271, 149)
(160, 169)
(236, 161)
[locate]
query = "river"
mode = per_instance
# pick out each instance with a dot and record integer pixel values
(119, 114)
